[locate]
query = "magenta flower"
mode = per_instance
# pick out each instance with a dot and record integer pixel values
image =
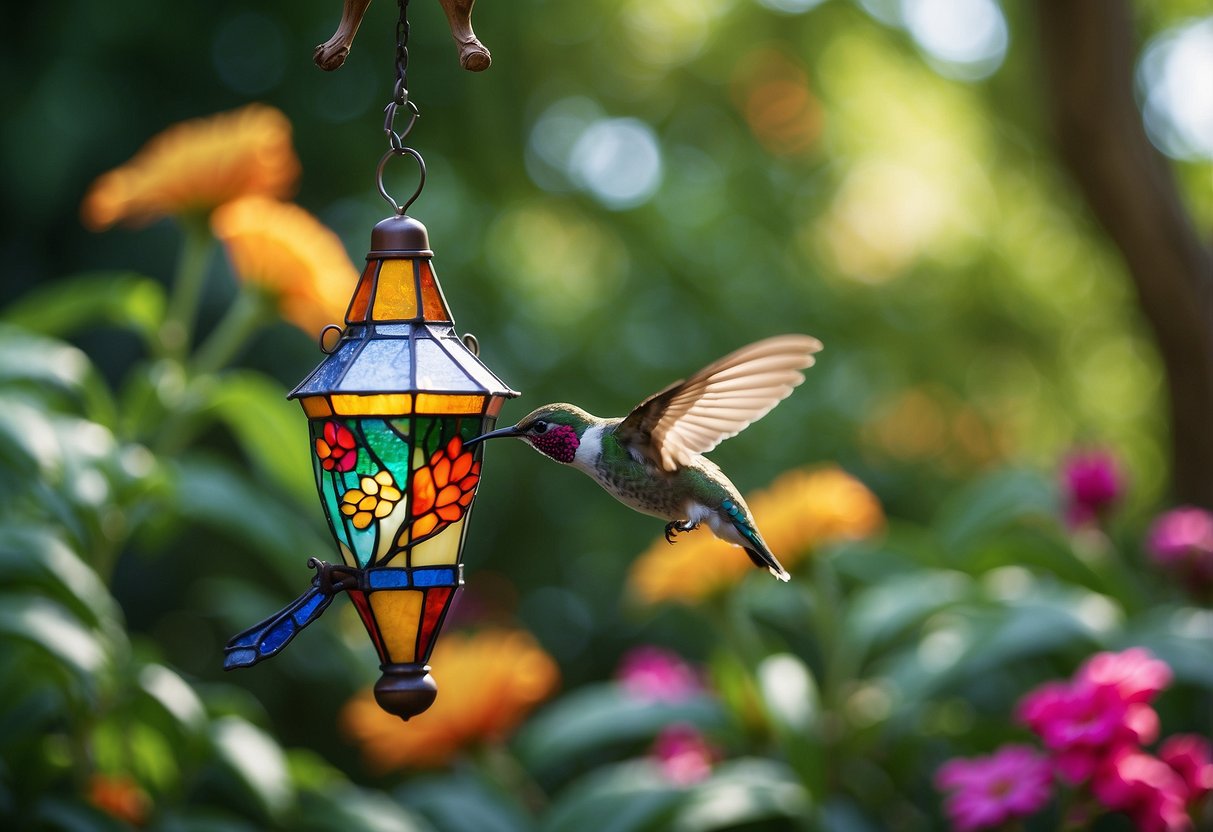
(1145, 788)
(1191, 757)
(1092, 483)
(1013, 782)
(684, 755)
(656, 674)
(1182, 539)
(1105, 707)
(1134, 673)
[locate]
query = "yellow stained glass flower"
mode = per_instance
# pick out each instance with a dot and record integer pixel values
(801, 509)
(195, 166)
(375, 498)
(287, 252)
(488, 682)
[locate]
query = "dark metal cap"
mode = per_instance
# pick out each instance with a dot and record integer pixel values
(405, 690)
(399, 235)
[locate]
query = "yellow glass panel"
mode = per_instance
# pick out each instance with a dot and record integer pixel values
(347, 556)
(398, 613)
(389, 527)
(396, 294)
(316, 407)
(387, 404)
(432, 304)
(442, 549)
(434, 403)
(362, 295)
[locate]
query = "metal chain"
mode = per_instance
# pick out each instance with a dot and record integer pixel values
(400, 93)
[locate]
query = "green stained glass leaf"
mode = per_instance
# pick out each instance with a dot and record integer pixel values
(270, 429)
(124, 299)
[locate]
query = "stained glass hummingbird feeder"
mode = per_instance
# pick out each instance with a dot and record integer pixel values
(389, 410)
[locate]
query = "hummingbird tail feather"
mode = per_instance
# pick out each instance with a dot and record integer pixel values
(765, 560)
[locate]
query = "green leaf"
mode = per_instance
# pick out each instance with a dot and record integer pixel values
(213, 493)
(124, 299)
(740, 792)
(43, 365)
(626, 797)
(995, 502)
(37, 555)
(175, 696)
(463, 803)
(602, 716)
(55, 631)
(256, 760)
(879, 613)
(271, 430)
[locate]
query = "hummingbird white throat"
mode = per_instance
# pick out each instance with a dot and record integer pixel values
(652, 459)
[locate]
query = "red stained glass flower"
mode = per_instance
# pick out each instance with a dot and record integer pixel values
(443, 489)
(337, 449)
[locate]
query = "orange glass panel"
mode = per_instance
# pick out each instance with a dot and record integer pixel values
(362, 295)
(440, 550)
(495, 406)
(396, 294)
(398, 614)
(432, 304)
(316, 407)
(387, 404)
(434, 403)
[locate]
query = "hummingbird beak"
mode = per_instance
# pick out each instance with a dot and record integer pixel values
(512, 430)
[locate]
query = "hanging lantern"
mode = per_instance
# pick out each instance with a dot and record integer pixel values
(390, 409)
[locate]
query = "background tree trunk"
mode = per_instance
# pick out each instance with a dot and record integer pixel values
(1088, 52)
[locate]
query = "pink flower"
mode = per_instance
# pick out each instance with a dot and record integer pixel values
(657, 674)
(1182, 539)
(1092, 483)
(683, 754)
(1134, 673)
(1013, 782)
(337, 449)
(1191, 757)
(1145, 788)
(1102, 709)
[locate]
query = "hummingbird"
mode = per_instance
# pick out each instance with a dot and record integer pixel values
(652, 459)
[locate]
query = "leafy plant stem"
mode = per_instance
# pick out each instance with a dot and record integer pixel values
(192, 266)
(246, 314)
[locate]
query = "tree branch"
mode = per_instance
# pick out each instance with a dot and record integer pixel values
(1088, 51)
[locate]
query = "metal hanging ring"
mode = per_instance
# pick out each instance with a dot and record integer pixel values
(403, 151)
(327, 350)
(396, 140)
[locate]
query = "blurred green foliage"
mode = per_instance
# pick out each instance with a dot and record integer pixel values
(977, 325)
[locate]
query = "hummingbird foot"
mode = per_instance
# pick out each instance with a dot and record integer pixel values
(675, 527)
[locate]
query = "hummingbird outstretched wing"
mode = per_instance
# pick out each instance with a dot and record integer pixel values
(695, 415)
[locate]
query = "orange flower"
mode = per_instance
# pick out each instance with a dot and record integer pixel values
(803, 508)
(287, 252)
(444, 489)
(119, 796)
(488, 681)
(195, 166)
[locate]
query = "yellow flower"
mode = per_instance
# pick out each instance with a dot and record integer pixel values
(487, 683)
(287, 252)
(195, 166)
(375, 499)
(803, 508)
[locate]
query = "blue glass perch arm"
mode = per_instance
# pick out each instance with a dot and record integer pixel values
(267, 638)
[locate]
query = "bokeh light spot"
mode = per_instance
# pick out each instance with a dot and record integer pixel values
(617, 160)
(1175, 77)
(967, 38)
